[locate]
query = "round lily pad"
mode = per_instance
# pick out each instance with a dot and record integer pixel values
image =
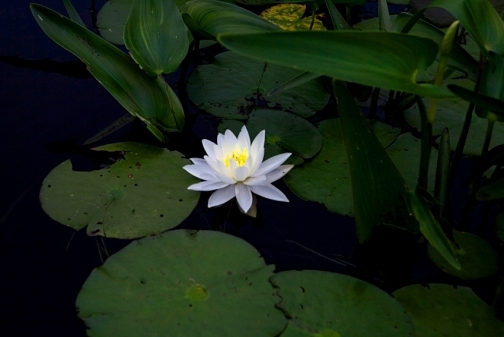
(182, 283)
(451, 113)
(290, 17)
(144, 194)
(440, 310)
(333, 305)
(242, 84)
(326, 177)
(477, 257)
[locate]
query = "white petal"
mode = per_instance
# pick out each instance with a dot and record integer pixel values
(257, 162)
(212, 163)
(278, 173)
(204, 172)
(198, 161)
(209, 148)
(241, 173)
(207, 185)
(244, 138)
(261, 180)
(221, 196)
(220, 139)
(243, 196)
(229, 137)
(271, 164)
(257, 144)
(224, 170)
(269, 192)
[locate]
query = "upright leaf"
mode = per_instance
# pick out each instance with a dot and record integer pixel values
(480, 19)
(156, 36)
(146, 97)
(72, 13)
(377, 185)
(216, 17)
(352, 56)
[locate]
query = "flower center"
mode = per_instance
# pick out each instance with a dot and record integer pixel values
(240, 156)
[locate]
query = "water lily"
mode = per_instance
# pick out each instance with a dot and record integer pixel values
(234, 168)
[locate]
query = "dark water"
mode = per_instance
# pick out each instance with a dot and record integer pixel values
(49, 107)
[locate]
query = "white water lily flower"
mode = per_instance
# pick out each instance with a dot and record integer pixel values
(234, 168)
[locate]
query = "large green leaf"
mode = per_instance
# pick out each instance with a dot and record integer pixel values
(180, 284)
(440, 310)
(146, 97)
(243, 83)
(217, 17)
(112, 19)
(144, 194)
(326, 177)
(156, 36)
(377, 185)
(492, 85)
(385, 60)
(322, 304)
(480, 19)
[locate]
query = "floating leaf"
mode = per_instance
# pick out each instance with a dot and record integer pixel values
(477, 257)
(242, 85)
(182, 283)
(144, 194)
(326, 178)
(326, 304)
(290, 17)
(156, 36)
(352, 56)
(440, 310)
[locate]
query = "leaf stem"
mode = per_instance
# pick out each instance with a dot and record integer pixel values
(426, 145)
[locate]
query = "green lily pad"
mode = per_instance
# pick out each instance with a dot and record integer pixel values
(243, 83)
(285, 132)
(440, 310)
(326, 304)
(451, 113)
(182, 283)
(290, 17)
(144, 194)
(326, 178)
(477, 257)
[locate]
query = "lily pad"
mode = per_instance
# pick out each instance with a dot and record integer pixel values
(451, 113)
(440, 310)
(290, 17)
(332, 305)
(243, 83)
(477, 257)
(144, 194)
(326, 178)
(182, 283)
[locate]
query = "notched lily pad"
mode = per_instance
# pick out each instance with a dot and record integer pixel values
(144, 194)
(242, 85)
(182, 283)
(326, 304)
(477, 257)
(440, 310)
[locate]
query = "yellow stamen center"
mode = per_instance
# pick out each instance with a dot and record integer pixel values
(240, 156)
